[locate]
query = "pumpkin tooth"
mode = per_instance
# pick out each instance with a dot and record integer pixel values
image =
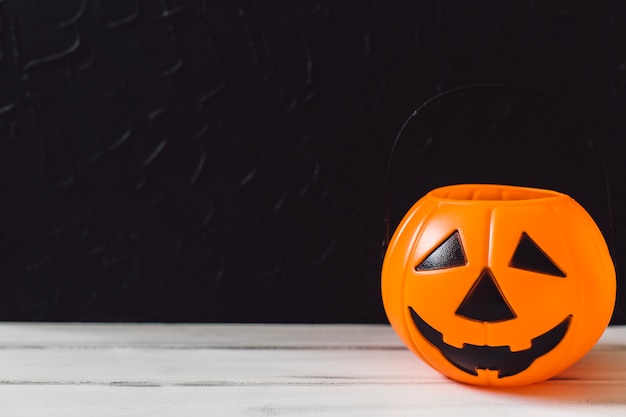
(454, 341)
(517, 347)
(515, 342)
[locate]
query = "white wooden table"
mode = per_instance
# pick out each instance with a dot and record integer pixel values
(154, 370)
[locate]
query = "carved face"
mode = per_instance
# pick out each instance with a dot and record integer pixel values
(498, 285)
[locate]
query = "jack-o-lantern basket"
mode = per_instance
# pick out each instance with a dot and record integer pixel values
(498, 285)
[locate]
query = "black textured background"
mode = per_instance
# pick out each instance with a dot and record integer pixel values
(224, 160)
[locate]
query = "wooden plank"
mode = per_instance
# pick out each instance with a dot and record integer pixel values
(445, 399)
(230, 367)
(196, 335)
(208, 367)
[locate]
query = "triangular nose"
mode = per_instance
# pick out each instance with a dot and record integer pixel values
(485, 301)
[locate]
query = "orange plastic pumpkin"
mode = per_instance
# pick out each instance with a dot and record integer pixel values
(498, 285)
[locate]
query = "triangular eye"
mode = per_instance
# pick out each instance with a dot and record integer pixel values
(447, 255)
(530, 257)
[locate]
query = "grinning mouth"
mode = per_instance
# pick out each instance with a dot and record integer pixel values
(470, 358)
